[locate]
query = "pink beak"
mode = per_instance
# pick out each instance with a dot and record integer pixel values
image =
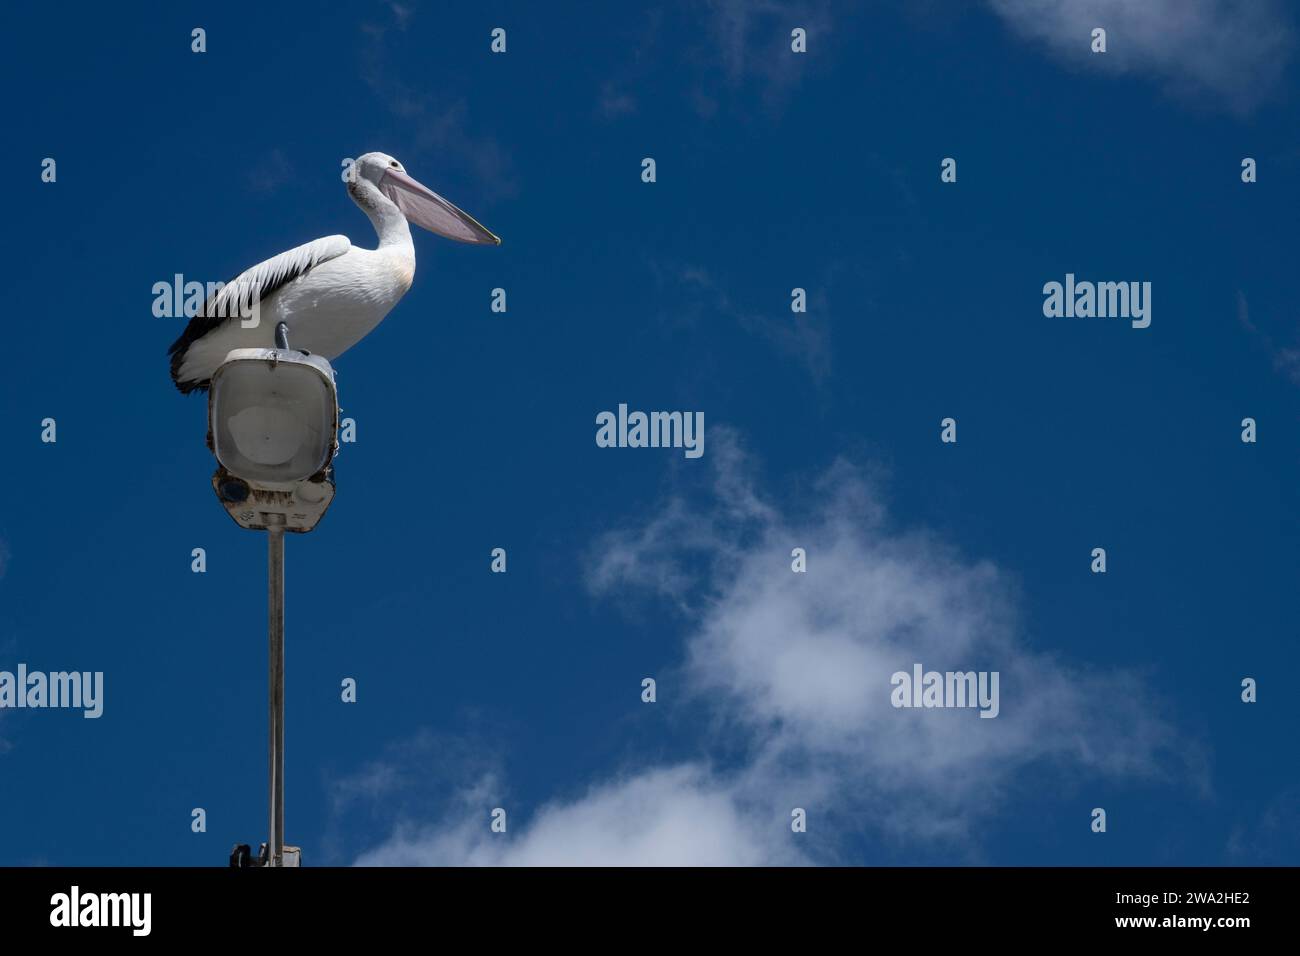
(424, 207)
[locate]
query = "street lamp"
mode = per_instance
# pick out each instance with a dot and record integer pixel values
(273, 425)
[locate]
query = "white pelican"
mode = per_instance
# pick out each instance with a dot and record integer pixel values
(329, 292)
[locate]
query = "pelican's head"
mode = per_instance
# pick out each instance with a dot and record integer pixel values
(418, 203)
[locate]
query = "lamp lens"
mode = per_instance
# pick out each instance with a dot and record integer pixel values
(272, 422)
(265, 434)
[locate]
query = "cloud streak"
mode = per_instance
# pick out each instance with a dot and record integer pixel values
(1286, 359)
(1234, 54)
(750, 40)
(804, 336)
(271, 171)
(439, 125)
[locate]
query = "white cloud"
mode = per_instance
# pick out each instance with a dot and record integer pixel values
(676, 816)
(794, 670)
(1234, 52)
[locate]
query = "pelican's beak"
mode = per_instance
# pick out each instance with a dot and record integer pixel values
(424, 207)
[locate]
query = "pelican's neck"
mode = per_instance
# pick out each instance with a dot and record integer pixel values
(390, 225)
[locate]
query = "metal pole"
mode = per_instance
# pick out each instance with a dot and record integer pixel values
(275, 628)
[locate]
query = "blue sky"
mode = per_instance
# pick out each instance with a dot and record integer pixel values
(475, 430)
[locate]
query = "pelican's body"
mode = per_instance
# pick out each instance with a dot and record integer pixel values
(329, 308)
(329, 293)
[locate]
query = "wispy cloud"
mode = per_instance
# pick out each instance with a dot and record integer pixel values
(1286, 359)
(618, 94)
(750, 42)
(1234, 54)
(794, 670)
(615, 101)
(805, 336)
(740, 55)
(401, 14)
(270, 172)
(435, 125)
(1271, 837)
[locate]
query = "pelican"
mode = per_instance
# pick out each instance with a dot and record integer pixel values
(329, 293)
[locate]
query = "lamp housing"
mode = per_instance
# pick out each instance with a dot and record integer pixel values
(273, 426)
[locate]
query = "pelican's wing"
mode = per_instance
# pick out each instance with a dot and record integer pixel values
(257, 284)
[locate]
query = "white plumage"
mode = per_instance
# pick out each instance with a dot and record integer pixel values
(329, 292)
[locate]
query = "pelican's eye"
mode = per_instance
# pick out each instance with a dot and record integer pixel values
(395, 164)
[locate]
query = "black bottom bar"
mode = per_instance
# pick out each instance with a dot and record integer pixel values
(922, 903)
